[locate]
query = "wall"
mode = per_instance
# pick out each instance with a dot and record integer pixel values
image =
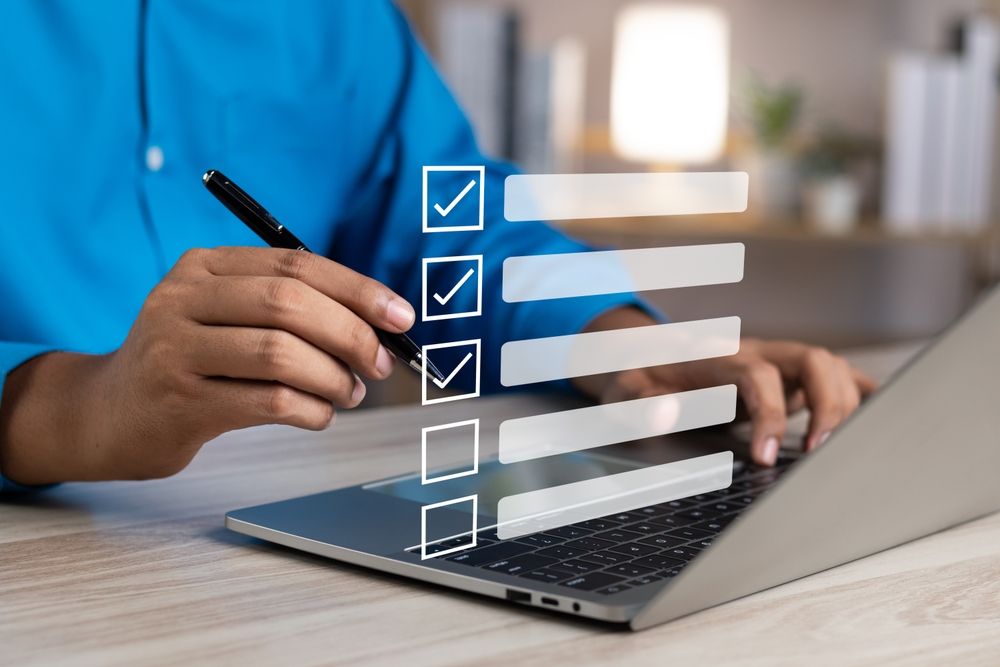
(834, 49)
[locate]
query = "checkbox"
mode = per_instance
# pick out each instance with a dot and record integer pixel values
(446, 528)
(453, 198)
(452, 287)
(459, 362)
(464, 434)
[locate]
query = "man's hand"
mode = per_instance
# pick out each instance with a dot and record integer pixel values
(773, 378)
(231, 338)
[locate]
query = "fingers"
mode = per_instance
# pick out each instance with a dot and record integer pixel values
(278, 356)
(832, 388)
(866, 385)
(763, 393)
(290, 305)
(369, 299)
(245, 403)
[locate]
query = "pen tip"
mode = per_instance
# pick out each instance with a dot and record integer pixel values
(207, 175)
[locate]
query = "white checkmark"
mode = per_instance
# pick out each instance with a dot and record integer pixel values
(454, 202)
(443, 383)
(447, 297)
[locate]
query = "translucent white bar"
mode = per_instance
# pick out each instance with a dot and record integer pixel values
(599, 425)
(562, 357)
(577, 196)
(556, 506)
(533, 278)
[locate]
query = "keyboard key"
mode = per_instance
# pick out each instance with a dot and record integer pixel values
(488, 534)
(597, 524)
(654, 510)
(662, 541)
(561, 552)
(605, 557)
(714, 526)
(548, 576)
(568, 532)
(634, 549)
(592, 581)
(681, 553)
(698, 514)
(646, 579)
(630, 570)
(671, 521)
(540, 540)
(657, 562)
(723, 508)
(590, 544)
(626, 517)
(646, 528)
(614, 588)
(678, 504)
(702, 544)
(619, 535)
(489, 554)
(577, 566)
(688, 533)
(520, 564)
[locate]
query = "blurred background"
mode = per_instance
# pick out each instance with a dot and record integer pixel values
(868, 128)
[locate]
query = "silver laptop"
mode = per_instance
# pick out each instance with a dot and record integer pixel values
(921, 455)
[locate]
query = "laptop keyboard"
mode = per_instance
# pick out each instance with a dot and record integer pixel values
(620, 551)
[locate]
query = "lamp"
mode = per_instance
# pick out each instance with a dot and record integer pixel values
(670, 83)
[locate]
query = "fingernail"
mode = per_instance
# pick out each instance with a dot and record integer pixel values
(771, 451)
(400, 314)
(821, 439)
(383, 362)
(359, 391)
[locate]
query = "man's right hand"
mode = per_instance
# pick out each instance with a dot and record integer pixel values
(231, 338)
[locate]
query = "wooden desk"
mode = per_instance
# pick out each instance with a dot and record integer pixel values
(144, 573)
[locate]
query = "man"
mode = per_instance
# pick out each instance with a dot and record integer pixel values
(138, 323)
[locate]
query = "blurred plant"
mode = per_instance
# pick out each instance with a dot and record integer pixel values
(772, 111)
(836, 152)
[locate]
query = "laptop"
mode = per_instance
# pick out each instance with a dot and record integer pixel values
(921, 455)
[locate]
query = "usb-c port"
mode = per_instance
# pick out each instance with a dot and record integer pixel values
(552, 601)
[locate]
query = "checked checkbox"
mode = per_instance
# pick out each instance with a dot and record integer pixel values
(452, 287)
(453, 198)
(459, 361)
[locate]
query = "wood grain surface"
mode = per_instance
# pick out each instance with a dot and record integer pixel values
(144, 573)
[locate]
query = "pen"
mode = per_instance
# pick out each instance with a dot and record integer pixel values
(276, 235)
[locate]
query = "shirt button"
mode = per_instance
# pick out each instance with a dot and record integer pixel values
(154, 158)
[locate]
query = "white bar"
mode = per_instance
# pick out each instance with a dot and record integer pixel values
(562, 357)
(599, 425)
(556, 506)
(578, 196)
(559, 276)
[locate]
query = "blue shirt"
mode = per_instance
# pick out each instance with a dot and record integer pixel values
(325, 111)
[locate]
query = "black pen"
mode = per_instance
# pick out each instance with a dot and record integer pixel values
(276, 235)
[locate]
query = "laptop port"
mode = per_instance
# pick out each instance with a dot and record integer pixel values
(518, 596)
(552, 601)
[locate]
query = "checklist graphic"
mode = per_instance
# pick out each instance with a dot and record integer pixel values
(453, 198)
(452, 287)
(427, 532)
(466, 432)
(585, 274)
(455, 359)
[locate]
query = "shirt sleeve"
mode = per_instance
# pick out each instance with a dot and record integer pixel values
(385, 239)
